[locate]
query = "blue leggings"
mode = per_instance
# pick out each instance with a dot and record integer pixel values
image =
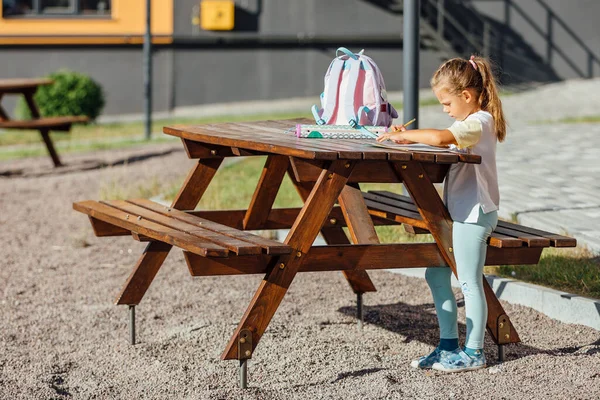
(469, 242)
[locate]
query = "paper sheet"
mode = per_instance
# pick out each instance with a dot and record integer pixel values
(412, 147)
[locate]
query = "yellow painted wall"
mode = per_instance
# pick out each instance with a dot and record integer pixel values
(128, 18)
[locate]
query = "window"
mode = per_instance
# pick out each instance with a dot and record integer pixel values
(75, 8)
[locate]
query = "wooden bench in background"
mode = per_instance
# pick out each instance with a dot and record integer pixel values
(28, 87)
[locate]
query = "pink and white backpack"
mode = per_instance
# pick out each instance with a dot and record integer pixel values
(354, 93)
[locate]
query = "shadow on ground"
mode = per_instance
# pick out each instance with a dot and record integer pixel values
(419, 322)
(82, 165)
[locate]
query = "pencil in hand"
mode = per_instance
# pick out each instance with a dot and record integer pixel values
(397, 129)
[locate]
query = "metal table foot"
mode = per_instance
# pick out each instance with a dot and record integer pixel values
(500, 353)
(244, 374)
(359, 309)
(132, 325)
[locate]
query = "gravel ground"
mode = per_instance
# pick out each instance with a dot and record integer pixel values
(62, 337)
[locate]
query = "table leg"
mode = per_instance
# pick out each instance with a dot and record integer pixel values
(438, 219)
(35, 113)
(244, 374)
(282, 271)
(359, 310)
(359, 280)
(3, 114)
(155, 253)
(50, 146)
(132, 325)
(266, 191)
(360, 225)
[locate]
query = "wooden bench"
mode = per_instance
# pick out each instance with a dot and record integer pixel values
(323, 172)
(397, 208)
(146, 220)
(51, 123)
(28, 87)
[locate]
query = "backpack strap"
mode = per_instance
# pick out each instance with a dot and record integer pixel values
(347, 52)
(375, 77)
(348, 95)
(332, 86)
(386, 106)
(359, 112)
(367, 132)
(315, 112)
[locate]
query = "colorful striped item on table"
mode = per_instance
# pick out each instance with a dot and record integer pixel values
(338, 131)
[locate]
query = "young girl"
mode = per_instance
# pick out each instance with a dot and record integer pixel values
(467, 91)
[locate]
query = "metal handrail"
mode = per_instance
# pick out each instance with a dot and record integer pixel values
(550, 43)
(455, 24)
(568, 29)
(553, 16)
(479, 44)
(547, 36)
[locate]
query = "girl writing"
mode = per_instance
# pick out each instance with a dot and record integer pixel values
(467, 91)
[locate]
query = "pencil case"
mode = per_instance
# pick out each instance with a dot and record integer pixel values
(338, 131)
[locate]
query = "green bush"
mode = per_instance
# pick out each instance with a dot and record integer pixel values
(71, 93)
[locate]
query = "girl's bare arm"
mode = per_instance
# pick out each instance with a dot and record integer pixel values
(432, 137)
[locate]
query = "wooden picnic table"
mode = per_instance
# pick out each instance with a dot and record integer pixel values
(324, 172)
(27, 88)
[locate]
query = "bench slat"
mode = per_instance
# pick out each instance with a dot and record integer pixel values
(53, 123)
(397, 214)
(151, 229)
(270, 246)
(531, 240)
(555, 240)
(533, 237)
(237, 246)
(408, 213)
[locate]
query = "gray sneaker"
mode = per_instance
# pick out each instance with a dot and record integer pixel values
(458, 361)
(427, 361)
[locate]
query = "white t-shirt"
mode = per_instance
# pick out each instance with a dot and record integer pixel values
(470, 186)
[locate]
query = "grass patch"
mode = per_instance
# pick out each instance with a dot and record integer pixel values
(573, 270)
(432, 101)
(77, 146)
(93, 137)
(234, 184)
(128, 130)
(116, 189)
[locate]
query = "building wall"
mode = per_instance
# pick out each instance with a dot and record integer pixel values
(299, 17)
(117, 69)
(224, 75)
(190, 68)
(126, 22)
(239, 73)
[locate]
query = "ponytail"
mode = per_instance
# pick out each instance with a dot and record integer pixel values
(488, 99)
(476, 73)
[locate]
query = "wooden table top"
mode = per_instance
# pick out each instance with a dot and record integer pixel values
(9, 85)
(275, 137)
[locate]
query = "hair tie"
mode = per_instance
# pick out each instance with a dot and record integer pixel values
(473, 63)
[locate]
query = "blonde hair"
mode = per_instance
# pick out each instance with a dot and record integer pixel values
(459, 74)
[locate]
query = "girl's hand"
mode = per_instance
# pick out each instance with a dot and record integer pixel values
(403, 141)
(395, 135)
